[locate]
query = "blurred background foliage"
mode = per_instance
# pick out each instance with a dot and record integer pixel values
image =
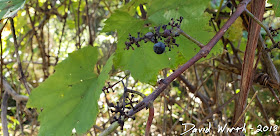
(48, 30)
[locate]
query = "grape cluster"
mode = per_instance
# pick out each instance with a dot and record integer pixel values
(120, 109)
(167, 34)
(273, 31)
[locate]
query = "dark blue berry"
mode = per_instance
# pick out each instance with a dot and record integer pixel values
(159, 48)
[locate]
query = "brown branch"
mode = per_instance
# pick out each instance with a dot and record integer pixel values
(150, 119)
(191, 87)
(202, 53)
(88, 19)
(62, 34)
(40, 43)
(19, 118)
(247, 72)
(21, 74)
(79, 31)
(235, 52)
(274, 94)
(7, 87)
(31, 32)
(2, 60)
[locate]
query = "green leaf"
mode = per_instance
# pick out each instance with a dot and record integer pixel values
(8, 8)
(276, 6)
(68, 98)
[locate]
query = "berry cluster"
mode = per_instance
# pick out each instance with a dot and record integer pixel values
(109, 87)
(273, 31)
(168, 33)
(120, 108)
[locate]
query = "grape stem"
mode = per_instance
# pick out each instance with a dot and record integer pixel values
(219, 10)
(262, 25)
(190, 38)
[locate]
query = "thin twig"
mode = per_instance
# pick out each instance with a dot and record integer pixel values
(12, 92)
(62, 35)
(89, 24)
(79, 31)
(107, 6)
(241, 116)
(261, 24)
(219, 10)
(274, 94)
(2, 61)
(190, 38)
(136, 92)
(21, 74)
(39, 41)
(19, 119)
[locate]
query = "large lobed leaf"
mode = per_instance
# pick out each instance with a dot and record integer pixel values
(142, 62)
(276, 6)
(68, 98)
(8, 8)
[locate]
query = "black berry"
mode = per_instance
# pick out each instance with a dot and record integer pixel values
(159, 48)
